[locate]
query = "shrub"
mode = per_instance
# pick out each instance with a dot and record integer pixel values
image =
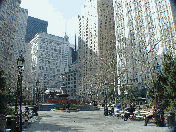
(31, 105)
(95, 106)
(9, 111)
(73, 108)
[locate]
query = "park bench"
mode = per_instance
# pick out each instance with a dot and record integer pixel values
(140, 114)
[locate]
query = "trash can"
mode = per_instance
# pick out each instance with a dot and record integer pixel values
(171, 119)
(8, 121)
(105, 111)
(11, 123)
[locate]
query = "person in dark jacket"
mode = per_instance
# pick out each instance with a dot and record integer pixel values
(150, 116)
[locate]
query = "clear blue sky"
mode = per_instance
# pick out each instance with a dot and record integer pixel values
(62, 15)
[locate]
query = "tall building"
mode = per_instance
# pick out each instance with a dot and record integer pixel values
(50, 58)
(21, 47)
(74, 52)
(34, 26)
(106, 45)
(19, 44)
(96, 47)
(87, 47)
(70, 80)
(8, 23)
(144, 30)
(173, 6)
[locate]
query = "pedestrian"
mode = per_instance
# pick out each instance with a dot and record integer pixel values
(68, 105)
(131, 110)
(150, 115)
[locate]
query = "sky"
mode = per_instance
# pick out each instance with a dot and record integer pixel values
(62, 15)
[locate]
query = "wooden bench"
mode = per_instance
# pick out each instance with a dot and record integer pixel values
(141, 114)
(117, 114)
(139, 117)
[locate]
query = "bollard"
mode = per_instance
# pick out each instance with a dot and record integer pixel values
(105, 111)
(171, 119)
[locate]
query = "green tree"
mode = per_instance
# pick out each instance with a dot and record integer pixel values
(164, 89)
(5, 97)
(128, 95)
(2, 92)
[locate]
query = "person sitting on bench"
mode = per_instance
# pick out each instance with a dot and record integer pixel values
(150, 116)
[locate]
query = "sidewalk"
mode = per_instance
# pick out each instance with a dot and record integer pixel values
(137, 126)
(88, 121)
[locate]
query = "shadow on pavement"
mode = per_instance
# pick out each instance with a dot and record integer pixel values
(36, 126)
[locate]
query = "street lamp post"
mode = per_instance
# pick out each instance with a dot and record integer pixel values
(37, 92)
(157, 96)
(126, 94)
(105, 100)
(20, 65)
(114, 84)
(17, 93)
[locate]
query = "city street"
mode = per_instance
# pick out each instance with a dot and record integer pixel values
(87, 121)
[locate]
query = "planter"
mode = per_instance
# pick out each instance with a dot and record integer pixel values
(96, 108)
(70, 111)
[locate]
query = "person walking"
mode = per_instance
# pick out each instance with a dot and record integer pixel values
(68, 106)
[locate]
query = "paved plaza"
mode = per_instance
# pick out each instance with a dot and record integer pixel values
(87, 121)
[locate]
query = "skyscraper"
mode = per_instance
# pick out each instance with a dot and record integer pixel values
(87, 46)
(21, 47)
(50, 58)
(8, 23)
(34, 26)
(19, 44)
(96, 47)
(106, 44)
(144, 30)
(173, 6)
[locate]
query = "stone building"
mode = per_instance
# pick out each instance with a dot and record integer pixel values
(21, 47)
(96, 47)
(107, 72)
(70, 80)
(50, 58)
(144, 30)
(34, 26)
(87, 46)
(173, 6)
(9, 12)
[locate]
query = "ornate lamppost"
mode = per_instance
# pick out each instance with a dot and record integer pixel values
(63, 87)
(37, 92)
(20, 66)
(105, 99)
(126, 95)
